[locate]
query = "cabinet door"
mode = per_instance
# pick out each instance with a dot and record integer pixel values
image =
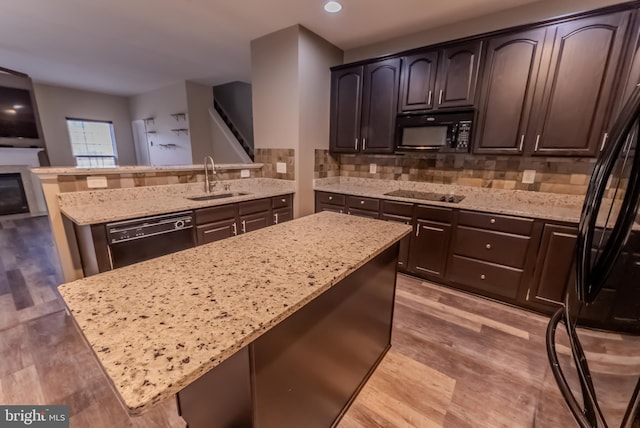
(507, 95)
(418, 81)
(256, 221)
(216, 231)
(577, 95)
(379, 107)
(403, 255)
(281, 215)
(346, 101)
(554, 265)
(458, 75)
(429, 244)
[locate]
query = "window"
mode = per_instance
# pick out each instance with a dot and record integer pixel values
(93, 142)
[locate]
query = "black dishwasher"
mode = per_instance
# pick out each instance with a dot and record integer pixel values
(133, 241)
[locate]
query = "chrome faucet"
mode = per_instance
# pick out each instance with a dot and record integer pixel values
(207, 182)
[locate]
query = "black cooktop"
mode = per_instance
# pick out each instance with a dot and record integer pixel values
(427, 196)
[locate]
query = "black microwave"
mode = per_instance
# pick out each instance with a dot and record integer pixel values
(448, 132)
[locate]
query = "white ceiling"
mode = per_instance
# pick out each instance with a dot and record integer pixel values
(132, 46)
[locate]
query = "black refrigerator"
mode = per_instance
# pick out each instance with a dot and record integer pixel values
(593, 342)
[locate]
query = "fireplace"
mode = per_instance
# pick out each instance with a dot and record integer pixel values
(13, 199)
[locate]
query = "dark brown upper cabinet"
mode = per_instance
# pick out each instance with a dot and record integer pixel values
(458, 74)
(511, 73)
(364, 102)
(442, 78)
(346, 102)
(584, 61)
(418, 81)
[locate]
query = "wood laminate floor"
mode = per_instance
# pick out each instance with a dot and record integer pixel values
(456, 361)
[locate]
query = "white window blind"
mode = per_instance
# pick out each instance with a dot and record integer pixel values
(93, 142)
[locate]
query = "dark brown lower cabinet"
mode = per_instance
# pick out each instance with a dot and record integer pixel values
(334, 202)
(225, 221)
(400, 212)
(430, 241)
(554, 265)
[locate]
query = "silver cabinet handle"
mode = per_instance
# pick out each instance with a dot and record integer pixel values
(283, 200)
(417, 230)
(235, 229)
(521, 142)
(361, 202)
(537, 143)
(429, 100)
(492, 221)
(364, 144)
(356, 145)
(440, 97)
(483, 277)
(604, 141)
(488, 246)
(275, 218)
(330, 198)
(244, 226)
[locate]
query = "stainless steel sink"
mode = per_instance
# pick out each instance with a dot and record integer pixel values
(217, 196)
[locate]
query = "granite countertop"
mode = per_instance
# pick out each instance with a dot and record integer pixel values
(547, 206)
(101, 206)
(135, 169)
(158, 325)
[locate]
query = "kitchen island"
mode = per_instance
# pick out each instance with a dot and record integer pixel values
(280, 326)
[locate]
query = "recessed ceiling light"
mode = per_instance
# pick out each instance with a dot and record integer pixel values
(332, 6)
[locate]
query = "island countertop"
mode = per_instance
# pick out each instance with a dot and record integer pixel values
(158, 325)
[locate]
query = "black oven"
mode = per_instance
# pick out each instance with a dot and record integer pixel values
(448, 132)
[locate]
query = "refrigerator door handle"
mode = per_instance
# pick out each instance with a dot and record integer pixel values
(586, 418)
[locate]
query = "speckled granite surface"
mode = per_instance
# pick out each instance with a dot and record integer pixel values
(548, 206)
(100, 206)
(158, 325)
(137, 169)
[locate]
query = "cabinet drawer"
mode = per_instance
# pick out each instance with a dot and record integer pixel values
(360, 203)
(396, 218)
(216, 231)
(501, 223)
(330, 198)
(363, 213)
(328, 207)
(397, 208)
(250, 207)
(496, 279)
(494, 247)
(280, 215)
(213, 214)
(442, 215)
(281, 201)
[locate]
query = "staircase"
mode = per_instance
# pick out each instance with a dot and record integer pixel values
(241, 139)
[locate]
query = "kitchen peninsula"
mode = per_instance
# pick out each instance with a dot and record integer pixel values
(280, 326)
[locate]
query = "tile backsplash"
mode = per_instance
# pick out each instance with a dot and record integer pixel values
(553, 175)
(270, 158)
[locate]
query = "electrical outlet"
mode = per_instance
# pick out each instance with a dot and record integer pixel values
(244, 173)
(529, 176)
(373, 168)
(281, 167)
(98, 182)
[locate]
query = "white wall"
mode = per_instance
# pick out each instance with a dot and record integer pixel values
(166, 147)
(56, 103)
(274, 80)
(199, 101)
(532, 12)
(315, 57)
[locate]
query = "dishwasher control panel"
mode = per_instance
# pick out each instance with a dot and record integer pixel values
(129, 230)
